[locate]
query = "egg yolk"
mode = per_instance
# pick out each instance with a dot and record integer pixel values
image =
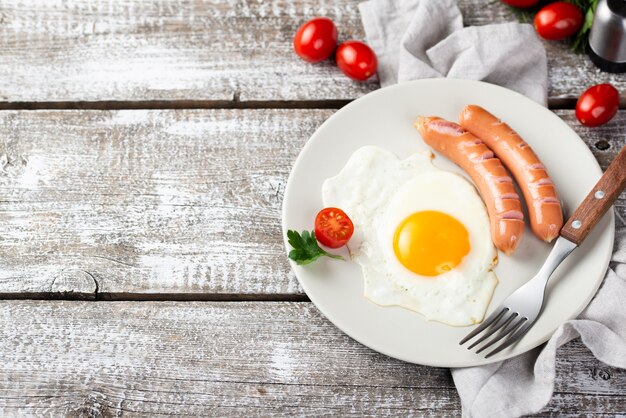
(430, 243)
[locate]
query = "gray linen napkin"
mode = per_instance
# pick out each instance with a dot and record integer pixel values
(425, 39)
(524, 384)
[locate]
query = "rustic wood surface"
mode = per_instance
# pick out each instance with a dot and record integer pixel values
(109, 204)
(204, 52)
(234, 359)
(161, 203)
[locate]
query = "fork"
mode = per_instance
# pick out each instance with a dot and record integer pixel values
(510, 321)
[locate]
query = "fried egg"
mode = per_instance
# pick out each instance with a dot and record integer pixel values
(421, 235)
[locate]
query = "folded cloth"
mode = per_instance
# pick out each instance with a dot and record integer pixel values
(426, 39)
(524, 384)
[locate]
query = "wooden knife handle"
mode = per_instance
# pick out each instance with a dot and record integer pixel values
(598, 201)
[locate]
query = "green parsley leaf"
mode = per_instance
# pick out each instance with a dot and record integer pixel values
(305, 247)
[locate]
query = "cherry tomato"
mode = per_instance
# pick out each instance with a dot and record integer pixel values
(356, 60)
(316, 39)
(558, 20)
(521, 3)
(597, 105)
(333, 228)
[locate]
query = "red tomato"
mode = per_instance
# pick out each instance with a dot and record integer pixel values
(316, 39)
(333, 228)
(356, 60)
(558, 20)
(521, 3)
(597, 105)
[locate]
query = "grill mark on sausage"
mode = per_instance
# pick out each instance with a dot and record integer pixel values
(512, 214)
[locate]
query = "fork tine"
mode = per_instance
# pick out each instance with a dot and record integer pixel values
(510, 328)
(498, 326)
(513, 339)
(490, 319)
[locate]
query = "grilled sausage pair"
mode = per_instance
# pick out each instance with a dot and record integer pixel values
(472, 145)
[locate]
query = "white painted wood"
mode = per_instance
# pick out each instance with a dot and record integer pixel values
(74, 283)
(233, 359)
(178, 204)
(204, 50)
(167, 202)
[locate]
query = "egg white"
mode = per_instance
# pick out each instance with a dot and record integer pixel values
(378, 191)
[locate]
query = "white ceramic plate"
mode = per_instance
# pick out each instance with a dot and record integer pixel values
(384, 118)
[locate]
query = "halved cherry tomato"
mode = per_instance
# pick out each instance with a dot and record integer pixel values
(356, 60)
(597, 105)
(521, 3)
(333, 228)
(558, 20)
(316, 39)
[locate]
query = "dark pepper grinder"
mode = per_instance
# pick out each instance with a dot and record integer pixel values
(607, 39)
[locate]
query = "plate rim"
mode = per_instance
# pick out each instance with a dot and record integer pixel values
(481, 361)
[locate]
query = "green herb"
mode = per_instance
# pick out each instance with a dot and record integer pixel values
(305, 247)
(588, 7)
(578, 42)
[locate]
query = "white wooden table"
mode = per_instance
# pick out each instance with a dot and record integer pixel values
(144, 152)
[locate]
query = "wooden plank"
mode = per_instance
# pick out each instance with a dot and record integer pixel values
(204, 52)
(167, 204)
(167, 50)
(148, 201)
(232, 359)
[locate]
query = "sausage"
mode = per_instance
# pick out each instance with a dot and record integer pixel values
(493, 182)
(544, 206)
